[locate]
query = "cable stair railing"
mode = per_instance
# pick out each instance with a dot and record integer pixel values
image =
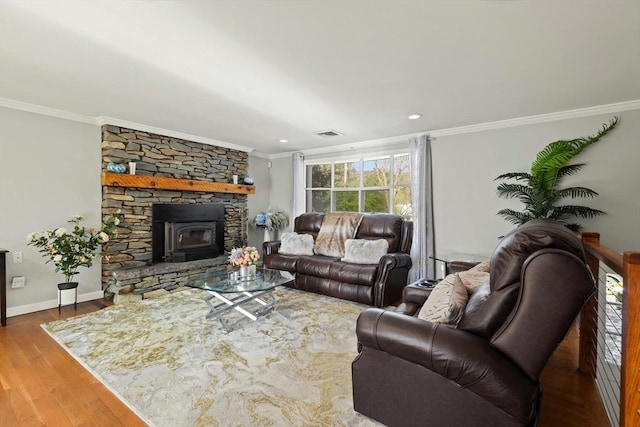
(609, 349)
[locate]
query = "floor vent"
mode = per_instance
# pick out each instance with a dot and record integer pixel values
(328, 133)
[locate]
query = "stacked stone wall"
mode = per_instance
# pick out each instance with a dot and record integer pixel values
(128, 255)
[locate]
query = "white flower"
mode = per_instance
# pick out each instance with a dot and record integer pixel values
(104, 237)
(78, 217)
(57, 258)
(60, 231)
(31, 237)
(116, 221)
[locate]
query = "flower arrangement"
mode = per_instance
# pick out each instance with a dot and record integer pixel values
(270, 220)
(243, 257)
(71, 249)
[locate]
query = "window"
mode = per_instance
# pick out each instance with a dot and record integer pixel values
(378, 184)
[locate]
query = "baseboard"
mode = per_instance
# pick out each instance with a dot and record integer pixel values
(45, 305)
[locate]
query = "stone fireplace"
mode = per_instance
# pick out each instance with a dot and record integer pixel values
(130, 264)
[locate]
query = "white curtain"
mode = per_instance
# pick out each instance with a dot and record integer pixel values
(422, 246)
(298, 186)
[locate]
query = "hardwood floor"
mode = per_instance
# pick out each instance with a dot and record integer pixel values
(43, 385)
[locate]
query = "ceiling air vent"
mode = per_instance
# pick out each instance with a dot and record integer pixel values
(328, 133)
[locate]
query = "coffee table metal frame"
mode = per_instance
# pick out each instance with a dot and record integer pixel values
(259, 289)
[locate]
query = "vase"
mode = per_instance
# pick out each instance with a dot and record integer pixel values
(247, 272)
(269, 235)
(116, 167)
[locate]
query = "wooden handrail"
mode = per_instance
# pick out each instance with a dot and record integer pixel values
(610, 257)
(628, 266)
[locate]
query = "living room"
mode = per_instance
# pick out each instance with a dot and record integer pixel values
(503, 80)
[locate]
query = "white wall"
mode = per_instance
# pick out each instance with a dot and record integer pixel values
(464, 167)
(280, 194)
(49, 171)
(258, 202)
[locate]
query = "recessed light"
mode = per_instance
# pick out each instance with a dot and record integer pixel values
(284, 140)
(414, 116)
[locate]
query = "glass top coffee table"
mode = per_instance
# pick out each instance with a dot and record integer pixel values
(251, 297)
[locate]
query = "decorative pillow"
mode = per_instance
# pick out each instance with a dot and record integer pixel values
(478, 298)
(336, 228)
(446, 303)
(363, 251)
(483, 266)
(473, 278)
(296, 244)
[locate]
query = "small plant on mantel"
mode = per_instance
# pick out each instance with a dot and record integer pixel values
(539, 189)
(71, 249)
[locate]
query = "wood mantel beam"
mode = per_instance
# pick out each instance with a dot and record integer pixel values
(165, 183)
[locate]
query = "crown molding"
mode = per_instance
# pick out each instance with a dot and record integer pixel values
(376, 143)
(38, 109)
(103, 120)
(256, 153)
(480, 127)
(540, 118)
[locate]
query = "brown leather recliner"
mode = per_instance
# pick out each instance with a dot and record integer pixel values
(485, 371)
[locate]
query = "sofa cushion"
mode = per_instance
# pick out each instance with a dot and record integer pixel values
(316, 265)
(358, 274)
(336, 228)
(308, 223)
(362, 251)
(296, 244)
(446, 302)
(382, 226)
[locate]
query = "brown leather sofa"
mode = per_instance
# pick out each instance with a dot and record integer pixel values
(485, 371)
(378, 285)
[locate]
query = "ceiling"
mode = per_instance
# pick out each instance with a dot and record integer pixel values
(250, 73)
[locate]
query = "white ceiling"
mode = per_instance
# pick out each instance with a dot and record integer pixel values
(253, 72)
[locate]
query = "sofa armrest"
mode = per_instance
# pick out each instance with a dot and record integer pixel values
(393, 269)
(271, 248)
(456, 355)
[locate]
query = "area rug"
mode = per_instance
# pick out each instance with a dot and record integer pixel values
(174, 368)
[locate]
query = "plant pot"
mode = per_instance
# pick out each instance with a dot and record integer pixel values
(67, 285)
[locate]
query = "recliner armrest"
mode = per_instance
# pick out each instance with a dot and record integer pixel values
(414, 296)
(459, 356)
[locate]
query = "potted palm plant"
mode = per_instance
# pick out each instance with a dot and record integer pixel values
(539, 190)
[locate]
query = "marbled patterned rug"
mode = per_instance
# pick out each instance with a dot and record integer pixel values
(175, 368)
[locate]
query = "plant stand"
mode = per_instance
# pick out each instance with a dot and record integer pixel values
(66, 286)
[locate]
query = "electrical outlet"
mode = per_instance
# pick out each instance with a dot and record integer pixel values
(18, 282)
(17, 257)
